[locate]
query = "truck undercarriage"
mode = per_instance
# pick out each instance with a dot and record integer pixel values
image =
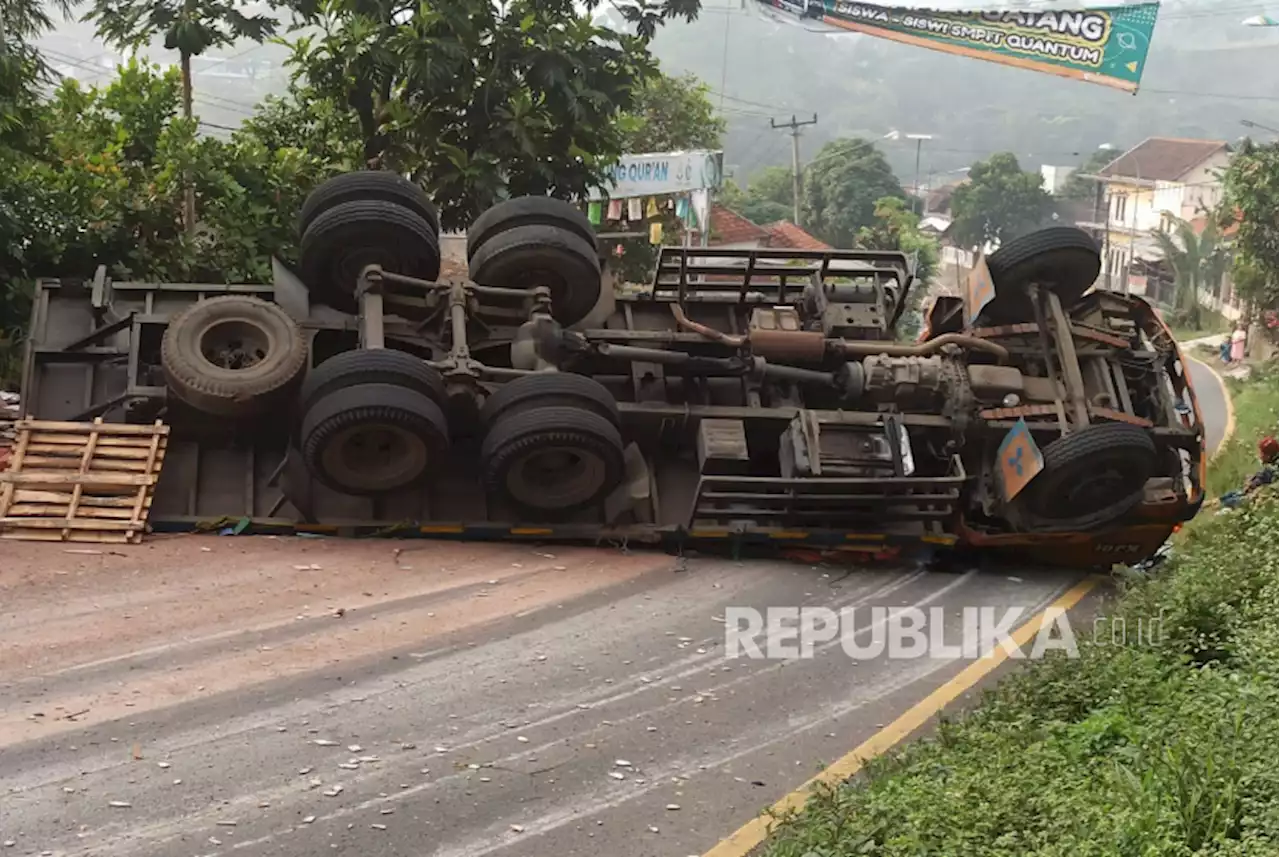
(747, 395)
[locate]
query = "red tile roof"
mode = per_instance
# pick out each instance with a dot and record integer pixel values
(786, 234)
(729, 227)
(1162, 159)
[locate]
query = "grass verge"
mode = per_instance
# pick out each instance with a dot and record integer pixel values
(1211, 323)
(1162, 742)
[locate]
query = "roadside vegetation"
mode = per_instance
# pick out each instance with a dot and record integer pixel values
(1163, 743)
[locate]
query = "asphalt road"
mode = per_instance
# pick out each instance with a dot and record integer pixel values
(205, 696)
(490, 701)
(1213, 405)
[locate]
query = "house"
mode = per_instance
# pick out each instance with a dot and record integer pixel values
(1161, 176)
(730, 229)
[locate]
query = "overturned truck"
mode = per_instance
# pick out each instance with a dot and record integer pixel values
(750, 395)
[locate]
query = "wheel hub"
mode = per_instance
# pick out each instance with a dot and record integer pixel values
(374, 457)
(556, 477)
(234, 344)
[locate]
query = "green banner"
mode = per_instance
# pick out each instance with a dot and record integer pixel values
(1105, 45)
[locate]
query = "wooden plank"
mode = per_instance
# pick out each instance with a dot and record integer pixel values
(61, 523)
(65, 462)
(144, 494)
(69, 451)
(15, 466)
(110, 428)
(33, 535)
(50, 510)
(130, 442)
(27, 496)
(54, 477)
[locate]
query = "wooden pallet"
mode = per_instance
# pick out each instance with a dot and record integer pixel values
(81, 482)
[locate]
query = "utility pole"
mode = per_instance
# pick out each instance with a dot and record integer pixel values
(795, 127)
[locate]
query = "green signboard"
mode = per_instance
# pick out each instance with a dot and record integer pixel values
(1106, 45)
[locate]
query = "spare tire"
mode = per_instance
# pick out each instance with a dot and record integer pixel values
(232, 356)
(371, 366)
(1062, 259)
(342, 240)
(368, 185)
(551, 462)
(1091, 477)
(528, 256)
(373, 439)
(529, 211)
(547, 389)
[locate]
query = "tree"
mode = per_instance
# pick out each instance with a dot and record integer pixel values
(189, 27)
(1198, 263)
(896, 227)
(998, 202)
(1252, 181)
(1078, 187)
(22, 68)
(671, 114)
(767, 198)
(842, 185)
(477, 100)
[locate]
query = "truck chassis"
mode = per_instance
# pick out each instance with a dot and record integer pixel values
(741, 396)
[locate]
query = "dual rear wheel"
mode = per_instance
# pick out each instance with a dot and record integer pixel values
(373, 424)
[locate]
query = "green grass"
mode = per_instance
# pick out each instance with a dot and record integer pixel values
(1143, 748)
(1257, 414)
(1210, 323)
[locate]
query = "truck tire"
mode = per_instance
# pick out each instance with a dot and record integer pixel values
(546, 389)
(232, 356)
(552, 462)
(368, 185)
(1091, 477)
(527, 256)
(373, 438)
(529, 211)
(341, 241)
(373, 366)
(1063, 259)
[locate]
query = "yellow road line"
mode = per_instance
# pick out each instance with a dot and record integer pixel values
(751, 834)
(1230, 428)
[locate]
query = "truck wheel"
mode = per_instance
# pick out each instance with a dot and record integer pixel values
(554, 461)
(527, 256)
(546, 389)
(529, 211)
(373, 366)
(368, 185)
(1063, 259)
(373, 438)
(1090, 478)
(232, 356)
(341, 241)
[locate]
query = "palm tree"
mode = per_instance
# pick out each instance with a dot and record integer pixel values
(1198, 262)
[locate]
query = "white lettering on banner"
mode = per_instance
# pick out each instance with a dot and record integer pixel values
(664, 173)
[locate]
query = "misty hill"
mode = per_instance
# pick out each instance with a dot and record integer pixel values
(864, 86)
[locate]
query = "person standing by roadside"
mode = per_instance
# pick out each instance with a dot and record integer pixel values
(1237, 344)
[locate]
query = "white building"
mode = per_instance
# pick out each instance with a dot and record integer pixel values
(1161, 176)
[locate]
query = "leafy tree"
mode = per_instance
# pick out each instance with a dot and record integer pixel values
(896, 227)
(189, 27)
(671, 114)
(998, 202)
(1078, 187)
(22, 68)
(842, 186)
(1198, 263)
(1251, 183)
(477, 99)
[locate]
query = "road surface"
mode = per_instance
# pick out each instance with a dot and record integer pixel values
(253, 696)
(1213, 403)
